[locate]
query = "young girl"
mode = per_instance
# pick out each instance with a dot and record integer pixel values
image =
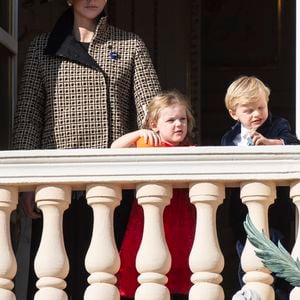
(168, 123)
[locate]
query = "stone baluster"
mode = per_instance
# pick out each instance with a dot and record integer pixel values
(51, 262)
(295, 195)
(258, 196)
(8, 265)
(206, 260)
(102, 260)
(153, 260)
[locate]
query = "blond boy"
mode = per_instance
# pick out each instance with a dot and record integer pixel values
(247, 102)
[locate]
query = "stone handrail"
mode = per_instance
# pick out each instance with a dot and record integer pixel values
(103, 173)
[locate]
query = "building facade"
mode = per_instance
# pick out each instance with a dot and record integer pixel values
(197, 46)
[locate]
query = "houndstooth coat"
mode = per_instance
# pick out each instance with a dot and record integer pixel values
(72, 97)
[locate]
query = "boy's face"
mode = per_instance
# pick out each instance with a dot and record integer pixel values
(252, 114)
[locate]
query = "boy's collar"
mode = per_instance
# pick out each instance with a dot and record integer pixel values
(244, 130)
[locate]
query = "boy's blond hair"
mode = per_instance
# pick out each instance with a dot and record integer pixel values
(245, 90)
(166, 99)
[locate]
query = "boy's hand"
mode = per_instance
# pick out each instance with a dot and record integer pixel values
(259, 140)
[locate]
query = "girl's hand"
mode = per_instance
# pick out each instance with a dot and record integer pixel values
(150, 137)
(130, 139)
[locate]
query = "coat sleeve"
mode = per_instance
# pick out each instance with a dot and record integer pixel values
(223, 140)
(145, 81)
(28, 121)
(284, 132)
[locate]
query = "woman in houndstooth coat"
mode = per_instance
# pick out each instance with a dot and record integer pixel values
(84, 85)
(81, 95)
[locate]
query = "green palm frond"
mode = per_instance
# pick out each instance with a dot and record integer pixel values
(276, 259)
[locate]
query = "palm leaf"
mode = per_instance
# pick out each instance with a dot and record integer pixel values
(276, 259)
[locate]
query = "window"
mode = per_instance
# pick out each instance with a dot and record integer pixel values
(8, 69)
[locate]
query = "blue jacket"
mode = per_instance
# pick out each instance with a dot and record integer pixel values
(273, 128)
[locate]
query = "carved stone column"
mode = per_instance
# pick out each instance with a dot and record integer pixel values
(153, 260)
(258, 196)
(51, 262)
(8, 265)
(206, 260)
(295, 195)
(102, 260)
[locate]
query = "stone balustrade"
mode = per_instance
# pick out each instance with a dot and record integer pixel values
(103, 173)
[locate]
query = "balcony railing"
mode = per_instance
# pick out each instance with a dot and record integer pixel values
(103, 173)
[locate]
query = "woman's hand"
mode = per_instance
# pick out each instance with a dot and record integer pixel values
(29, 206)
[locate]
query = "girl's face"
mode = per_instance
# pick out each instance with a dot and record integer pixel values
(252, 114)
(88, 9)
(172, 124)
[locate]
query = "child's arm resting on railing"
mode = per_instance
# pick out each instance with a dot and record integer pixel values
(129, 140)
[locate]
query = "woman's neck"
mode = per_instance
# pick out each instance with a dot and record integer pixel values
(84, 29)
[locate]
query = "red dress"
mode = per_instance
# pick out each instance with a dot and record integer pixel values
(179, 225)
